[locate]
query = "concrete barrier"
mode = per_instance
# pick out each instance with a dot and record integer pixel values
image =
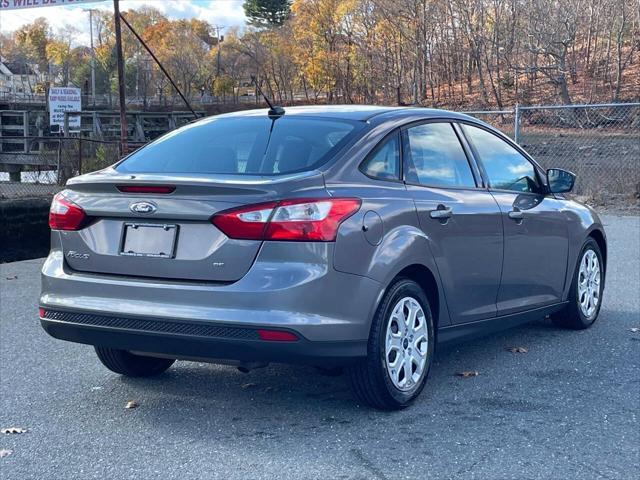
(24, 229)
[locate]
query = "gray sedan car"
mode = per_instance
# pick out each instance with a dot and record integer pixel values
(344, 236)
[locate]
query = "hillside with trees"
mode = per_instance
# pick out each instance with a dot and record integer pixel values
(471, 53)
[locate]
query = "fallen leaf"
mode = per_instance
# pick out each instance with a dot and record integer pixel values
(635, 329)
(468, 374)
(5, 453)
(14, 430)
(131, 404)
(517, 349)
(15, 277)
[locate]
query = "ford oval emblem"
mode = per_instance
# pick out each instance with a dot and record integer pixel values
(143, 207)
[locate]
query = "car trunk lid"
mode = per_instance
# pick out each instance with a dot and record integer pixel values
(169, 235)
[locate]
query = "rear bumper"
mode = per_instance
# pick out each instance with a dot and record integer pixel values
(291, 287)
(195, 341)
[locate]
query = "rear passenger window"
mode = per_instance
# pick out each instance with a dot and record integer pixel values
(384, 161)
(434, 157)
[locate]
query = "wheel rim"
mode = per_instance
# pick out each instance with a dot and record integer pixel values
(589, 284)
(406, 343)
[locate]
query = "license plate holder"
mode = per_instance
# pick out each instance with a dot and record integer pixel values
(149, 240)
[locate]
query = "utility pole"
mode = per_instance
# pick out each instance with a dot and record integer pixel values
(93, 59)
(121, 92)
(219, 40)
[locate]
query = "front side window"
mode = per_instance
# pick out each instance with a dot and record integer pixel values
(384, 161)
(506, 168)
(435, 157)
(251, 145)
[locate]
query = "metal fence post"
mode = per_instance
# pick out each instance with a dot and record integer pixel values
(25, 130)
(516, 123)
(59, 160)
(79, 155)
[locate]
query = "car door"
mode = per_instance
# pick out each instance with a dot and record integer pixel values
(535, 233)
(458, 215)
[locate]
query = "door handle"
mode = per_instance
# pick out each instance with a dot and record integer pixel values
(516, 215)
(441, 213)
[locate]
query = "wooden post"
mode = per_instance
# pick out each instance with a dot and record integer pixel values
(93, 61)
(121, 92)
(516, 124)
(66, 124)
(25, 130)
(59, 166)
(79, 155)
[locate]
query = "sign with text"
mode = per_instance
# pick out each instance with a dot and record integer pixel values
(64, 99)
(20, 4)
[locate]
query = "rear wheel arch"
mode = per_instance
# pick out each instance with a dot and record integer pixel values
(375, 378)
(424, 277)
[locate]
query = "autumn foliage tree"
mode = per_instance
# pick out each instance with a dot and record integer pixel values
(454, 52)
(431, 52)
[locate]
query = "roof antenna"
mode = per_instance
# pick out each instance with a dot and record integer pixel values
(274, 112)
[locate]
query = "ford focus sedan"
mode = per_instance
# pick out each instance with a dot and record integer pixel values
(353, 237)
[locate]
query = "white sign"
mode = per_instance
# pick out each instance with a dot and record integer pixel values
(20, 4)
(64, 99)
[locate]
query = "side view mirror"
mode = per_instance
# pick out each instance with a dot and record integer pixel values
(560, 181)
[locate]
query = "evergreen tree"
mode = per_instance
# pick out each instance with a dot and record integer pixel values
(267, 13)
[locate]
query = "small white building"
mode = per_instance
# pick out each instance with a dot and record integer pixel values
(17, 78)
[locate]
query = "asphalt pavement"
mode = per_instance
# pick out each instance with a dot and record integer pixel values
(566, 409)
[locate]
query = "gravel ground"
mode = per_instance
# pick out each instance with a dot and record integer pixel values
(566, 409)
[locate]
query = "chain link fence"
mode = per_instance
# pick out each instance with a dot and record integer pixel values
(40, 166)
(599, 143)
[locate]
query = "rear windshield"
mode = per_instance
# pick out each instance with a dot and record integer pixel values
(243, 145)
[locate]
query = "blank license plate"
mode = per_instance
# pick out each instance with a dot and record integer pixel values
(146, 240)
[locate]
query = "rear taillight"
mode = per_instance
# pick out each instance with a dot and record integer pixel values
(314, 220)
(65, 215)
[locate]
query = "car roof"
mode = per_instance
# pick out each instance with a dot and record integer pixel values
(353, 112)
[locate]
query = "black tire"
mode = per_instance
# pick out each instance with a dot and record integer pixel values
(131, 365)
(370, 380)
(571, 316)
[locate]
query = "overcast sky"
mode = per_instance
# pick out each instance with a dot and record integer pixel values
(228, 13)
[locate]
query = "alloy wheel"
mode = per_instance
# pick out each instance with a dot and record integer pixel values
(406, 344)
(589, 278)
